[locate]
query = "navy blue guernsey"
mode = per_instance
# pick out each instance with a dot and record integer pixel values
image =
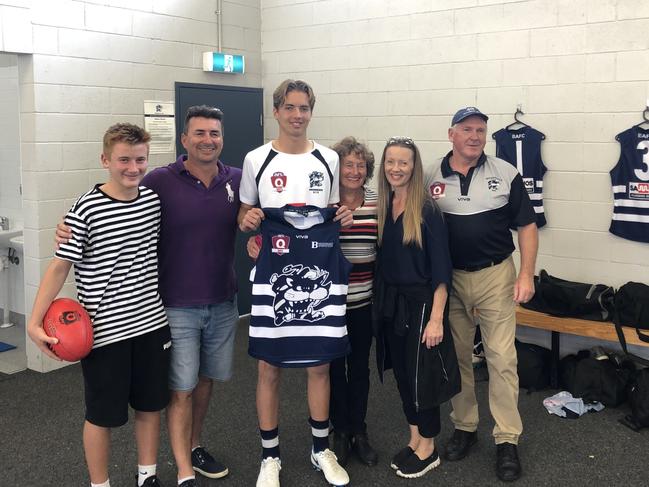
(630, 180)
(522, 149)
(299, 289)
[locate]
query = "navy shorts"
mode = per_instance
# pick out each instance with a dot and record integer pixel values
(133, 371)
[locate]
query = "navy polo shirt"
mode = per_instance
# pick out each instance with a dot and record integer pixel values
(199, 225)
(480, 208)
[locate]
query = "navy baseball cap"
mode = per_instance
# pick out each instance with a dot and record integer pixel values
(467, 112)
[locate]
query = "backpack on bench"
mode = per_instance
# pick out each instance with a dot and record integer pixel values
(632, 310)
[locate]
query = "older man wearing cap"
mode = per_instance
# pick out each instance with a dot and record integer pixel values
(482, 197)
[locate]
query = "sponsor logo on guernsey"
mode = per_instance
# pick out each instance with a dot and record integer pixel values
(437, 190)
(306, 237)
(278, 180)
(529, 184)
(639, 191)
(322, 245)
(316, 178)
(280, 244)
(493, 183)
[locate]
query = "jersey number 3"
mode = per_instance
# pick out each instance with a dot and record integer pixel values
(643, 174)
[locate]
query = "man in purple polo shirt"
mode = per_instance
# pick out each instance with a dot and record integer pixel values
(199, 197)
(200, 200)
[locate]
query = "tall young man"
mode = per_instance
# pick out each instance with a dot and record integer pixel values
(292, 170)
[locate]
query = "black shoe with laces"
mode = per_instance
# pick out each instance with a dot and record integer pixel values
(206, 465)
(508, 466)
(188, 483)
(152, 481)
(364, 451)
(458, 446)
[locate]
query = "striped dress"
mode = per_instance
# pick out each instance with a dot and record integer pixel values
(114, 248)
(358, 244)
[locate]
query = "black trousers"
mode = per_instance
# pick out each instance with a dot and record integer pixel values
(350, 375)
(428, 420)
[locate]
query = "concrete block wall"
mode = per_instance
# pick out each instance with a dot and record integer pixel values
(578, 68)
(93, 63)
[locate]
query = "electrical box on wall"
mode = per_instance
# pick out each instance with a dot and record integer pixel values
(219, 62)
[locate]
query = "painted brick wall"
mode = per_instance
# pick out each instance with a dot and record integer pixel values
(94, 62)
(579, 68)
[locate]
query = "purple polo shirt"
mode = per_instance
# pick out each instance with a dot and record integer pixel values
(199, 225)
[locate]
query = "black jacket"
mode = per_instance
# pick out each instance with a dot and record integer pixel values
(434, 375)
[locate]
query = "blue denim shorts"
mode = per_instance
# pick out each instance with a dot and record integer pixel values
(202, 343)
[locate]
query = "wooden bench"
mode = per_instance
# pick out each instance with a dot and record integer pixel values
(602, 330)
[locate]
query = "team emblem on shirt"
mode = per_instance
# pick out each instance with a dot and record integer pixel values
(280, 244)
(299, 290)
(278, 180)
(493, 183)
(437, 190)
(316, 178)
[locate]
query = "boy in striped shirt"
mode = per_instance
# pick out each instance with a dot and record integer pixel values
(115, 228)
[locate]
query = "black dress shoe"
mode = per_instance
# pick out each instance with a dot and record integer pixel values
(366, 454)
(459, 444)
(341, 447)
(508, 466)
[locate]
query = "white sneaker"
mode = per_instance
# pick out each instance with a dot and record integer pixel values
(327, 462)
(269, 472)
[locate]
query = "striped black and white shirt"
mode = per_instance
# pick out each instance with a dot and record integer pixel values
(114, 248)
(358, 244)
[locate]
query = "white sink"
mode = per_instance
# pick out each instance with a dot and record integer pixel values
(17, 243)
(7, 235)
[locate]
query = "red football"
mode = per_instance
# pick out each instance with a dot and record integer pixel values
(68, 321)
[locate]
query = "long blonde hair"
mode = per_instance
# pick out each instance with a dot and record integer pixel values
(415, 199)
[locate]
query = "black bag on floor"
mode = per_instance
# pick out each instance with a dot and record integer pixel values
(639, 399)
(568, 369)
(559, 297)
(603, 379)
(632, 310)
(533, 366)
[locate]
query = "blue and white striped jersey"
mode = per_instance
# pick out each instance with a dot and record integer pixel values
(299, 289)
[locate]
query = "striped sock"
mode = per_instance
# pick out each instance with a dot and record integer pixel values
(269, 443)
(320, 432)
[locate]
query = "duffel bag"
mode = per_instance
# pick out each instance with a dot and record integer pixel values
(560, 297)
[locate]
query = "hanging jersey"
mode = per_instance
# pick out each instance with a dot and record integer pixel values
(299, 289)
(630, 180)
(522, 149)
(275, 179)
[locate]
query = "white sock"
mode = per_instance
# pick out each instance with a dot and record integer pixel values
(103, 484)
(144, 472)
(180, 481)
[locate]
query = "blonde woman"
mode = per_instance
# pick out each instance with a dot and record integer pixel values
(411, 291)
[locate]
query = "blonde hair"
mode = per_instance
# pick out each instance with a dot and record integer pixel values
(124, 132)
(288, 85)
(416, 196)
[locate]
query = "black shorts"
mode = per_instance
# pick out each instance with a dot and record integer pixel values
(133, 371)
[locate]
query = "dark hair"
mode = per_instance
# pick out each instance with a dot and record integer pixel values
(124, 132)
(288, 85)
(349, 145)
(203, 111)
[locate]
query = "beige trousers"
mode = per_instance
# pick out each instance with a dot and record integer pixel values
(490, 292)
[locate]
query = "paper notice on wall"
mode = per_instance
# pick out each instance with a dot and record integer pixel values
(160, 122)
